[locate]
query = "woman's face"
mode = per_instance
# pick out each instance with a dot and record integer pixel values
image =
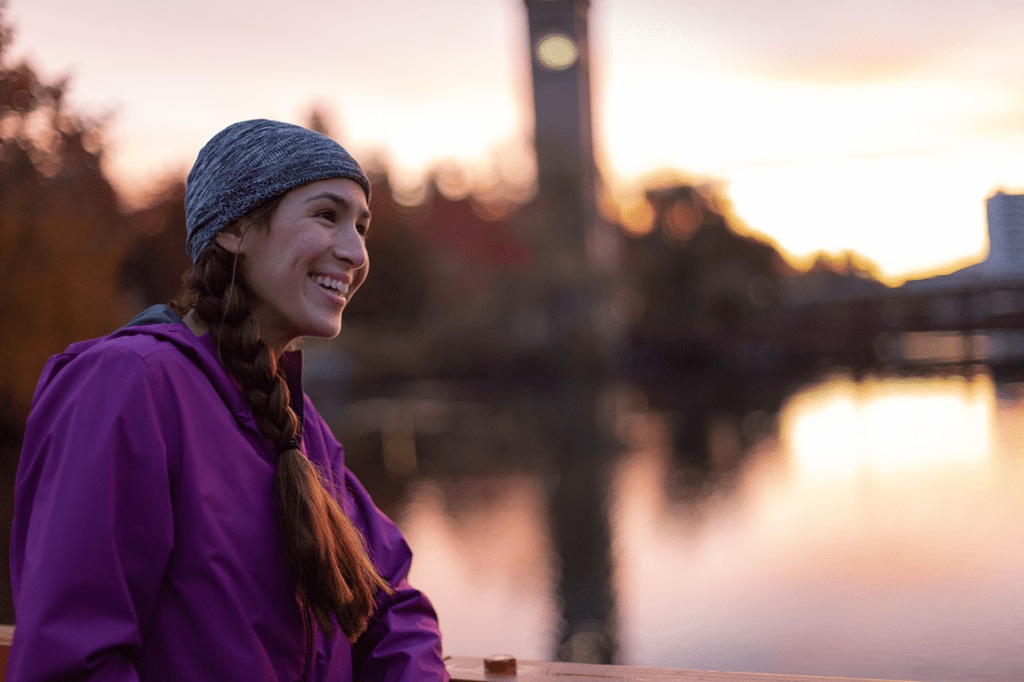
(305, 268)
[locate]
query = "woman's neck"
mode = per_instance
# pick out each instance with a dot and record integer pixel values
(193, 322)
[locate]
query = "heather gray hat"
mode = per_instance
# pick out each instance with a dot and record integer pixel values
(250, 163)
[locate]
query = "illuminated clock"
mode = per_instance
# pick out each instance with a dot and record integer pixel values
(557, 51)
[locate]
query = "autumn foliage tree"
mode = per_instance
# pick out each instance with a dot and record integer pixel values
(62, 232)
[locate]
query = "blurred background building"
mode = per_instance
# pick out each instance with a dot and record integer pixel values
(1005, 235)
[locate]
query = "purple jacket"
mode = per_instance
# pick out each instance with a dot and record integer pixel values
(146, 542)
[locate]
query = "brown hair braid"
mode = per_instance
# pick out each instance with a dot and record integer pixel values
(326, 552)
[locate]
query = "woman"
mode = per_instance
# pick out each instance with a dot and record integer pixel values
(182, 511)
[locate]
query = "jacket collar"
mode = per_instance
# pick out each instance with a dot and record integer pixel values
(161, 322)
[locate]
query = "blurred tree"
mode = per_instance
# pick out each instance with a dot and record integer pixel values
(444, 283)
(393, 295)
(157, 260)
(62, 232)
(395, 291)
(319, 119)
(836, 276)
(695, 273)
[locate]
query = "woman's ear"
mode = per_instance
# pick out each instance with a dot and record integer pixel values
(230, 239)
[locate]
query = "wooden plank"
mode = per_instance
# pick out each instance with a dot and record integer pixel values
(6, 633)
(471, 669)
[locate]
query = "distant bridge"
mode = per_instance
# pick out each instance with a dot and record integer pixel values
(971, 309)
(982, 323)
(911, 324)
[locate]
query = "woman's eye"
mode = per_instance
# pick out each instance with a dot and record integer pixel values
(327, 213)
(362, 228)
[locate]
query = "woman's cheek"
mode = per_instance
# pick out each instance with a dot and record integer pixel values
(313, 243)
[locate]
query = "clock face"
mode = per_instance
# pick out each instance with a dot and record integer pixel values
(557, 51)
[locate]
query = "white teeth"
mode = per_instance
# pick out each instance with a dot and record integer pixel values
(331, 283)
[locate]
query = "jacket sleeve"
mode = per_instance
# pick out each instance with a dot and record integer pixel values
(92, 522)
(403, 641)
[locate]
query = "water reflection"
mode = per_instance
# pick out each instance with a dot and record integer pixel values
(852, 527)
(483, 553)
(874, 536)
(846, 428)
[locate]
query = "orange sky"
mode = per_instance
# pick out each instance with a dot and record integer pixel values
(832, 124)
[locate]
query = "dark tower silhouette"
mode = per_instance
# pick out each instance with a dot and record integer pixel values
(572, 278)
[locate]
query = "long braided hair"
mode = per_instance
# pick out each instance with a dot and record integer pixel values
(327, 554)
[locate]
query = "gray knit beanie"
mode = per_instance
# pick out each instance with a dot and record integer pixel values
(250, 163)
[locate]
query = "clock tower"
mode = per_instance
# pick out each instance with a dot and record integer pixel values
(566, 172)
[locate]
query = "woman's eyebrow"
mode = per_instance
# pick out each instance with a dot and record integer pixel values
(340, 200)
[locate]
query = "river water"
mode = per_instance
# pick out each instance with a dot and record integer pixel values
(869, 527)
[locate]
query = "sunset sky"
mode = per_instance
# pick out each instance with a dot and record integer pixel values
(871, 125)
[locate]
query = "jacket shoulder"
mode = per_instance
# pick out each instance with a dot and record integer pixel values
(120, 353)
(155, 350)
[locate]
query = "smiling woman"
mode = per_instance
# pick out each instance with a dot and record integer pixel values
(182, 510)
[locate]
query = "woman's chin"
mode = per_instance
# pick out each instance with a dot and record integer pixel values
(327, 330)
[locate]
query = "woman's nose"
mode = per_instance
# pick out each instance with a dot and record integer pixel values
(350, 246)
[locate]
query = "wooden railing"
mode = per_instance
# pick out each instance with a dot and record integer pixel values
(470, 669)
